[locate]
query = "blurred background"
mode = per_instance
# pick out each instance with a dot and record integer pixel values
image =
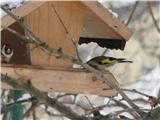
(143, 47)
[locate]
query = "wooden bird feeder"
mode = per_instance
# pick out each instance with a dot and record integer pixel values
(56, 22)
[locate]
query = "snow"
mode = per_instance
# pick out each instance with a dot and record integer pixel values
(11, 4)
(110, 4)
(25, 97)
(123, 3)
(107, 7)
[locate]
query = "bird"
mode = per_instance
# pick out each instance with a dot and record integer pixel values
(6, 53)
(105, 61)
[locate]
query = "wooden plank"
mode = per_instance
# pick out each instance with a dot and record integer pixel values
(22, 11)
(58, 37)
(51, 30)
(94, 27)
(38, 23)
(51, 79)
(108, 18)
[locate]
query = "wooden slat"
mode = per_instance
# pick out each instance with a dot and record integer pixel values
(22, 11)
(109, 19)
(52, 79)
(94, 27)
(51, 30)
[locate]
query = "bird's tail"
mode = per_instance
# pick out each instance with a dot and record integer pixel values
(121, 61)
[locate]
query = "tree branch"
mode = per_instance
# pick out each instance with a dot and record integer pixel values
(152, 15)
(132, 12)
(54, 52)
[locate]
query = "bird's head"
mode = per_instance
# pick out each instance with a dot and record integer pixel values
(6, 49)
(7, 52)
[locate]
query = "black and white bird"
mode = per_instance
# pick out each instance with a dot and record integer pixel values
(6, 53)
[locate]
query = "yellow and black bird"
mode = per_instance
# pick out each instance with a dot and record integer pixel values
(104, 61)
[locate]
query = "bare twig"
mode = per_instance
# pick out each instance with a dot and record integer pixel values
(153, 17)
(34, 114)
(129, 110)
(152, 100)
(132, 12)
(119, 103)
(2, 95)
(51, 113)
(76, 48)
(104, 52)
(32, 108)
(89, 102)
(135, 91)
